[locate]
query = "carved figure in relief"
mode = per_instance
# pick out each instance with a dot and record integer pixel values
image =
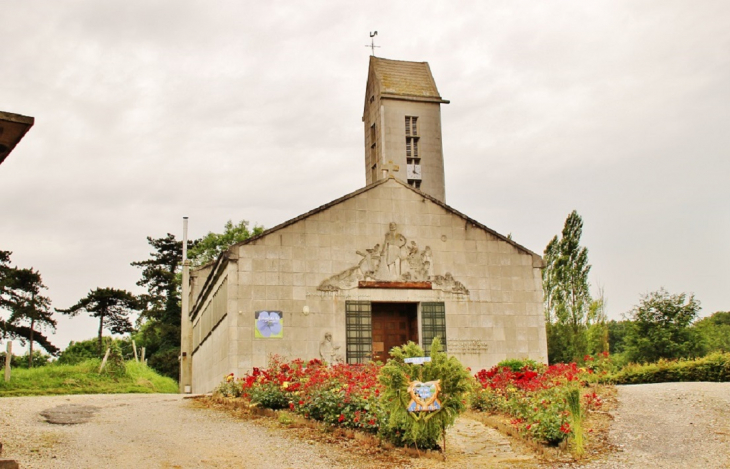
(370, 260)
(349, 278)
(328, 351)
(426, 258)
(396, 260)
(394, 251)
(447, 283)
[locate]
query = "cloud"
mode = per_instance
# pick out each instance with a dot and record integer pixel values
(148, 111)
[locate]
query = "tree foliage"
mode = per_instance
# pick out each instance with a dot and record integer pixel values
(661, 327)
(209, 247)
(28, 306)
(159, 328)
(20, 294)
(566, 293)
(714, 332)
(159, 325)
(597, 333)
(111, 306)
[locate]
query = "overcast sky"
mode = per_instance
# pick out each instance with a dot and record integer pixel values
(150, 111)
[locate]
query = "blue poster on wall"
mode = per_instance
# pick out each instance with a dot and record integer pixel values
(269, 325)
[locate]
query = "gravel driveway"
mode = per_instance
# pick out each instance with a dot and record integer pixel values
(150, 431)
(671, 425)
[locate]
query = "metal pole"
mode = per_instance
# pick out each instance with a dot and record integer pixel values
(186, 327)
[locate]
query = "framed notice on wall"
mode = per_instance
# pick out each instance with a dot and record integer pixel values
(269, 325)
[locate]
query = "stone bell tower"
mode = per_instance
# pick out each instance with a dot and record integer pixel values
(402, 120)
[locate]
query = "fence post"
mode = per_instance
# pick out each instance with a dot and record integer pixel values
(8, 359)
(103, 362)
(134, 347)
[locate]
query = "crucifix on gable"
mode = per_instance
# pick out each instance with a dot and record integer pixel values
(389, 168)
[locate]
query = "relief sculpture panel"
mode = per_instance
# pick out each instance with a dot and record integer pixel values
(395, 260)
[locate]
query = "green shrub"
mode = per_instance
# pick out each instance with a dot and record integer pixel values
(230, 387)
(516, 364)
(78, 352)
(270, 396)
(424, 430)
(713, 367)
(115, 362)
(21, 361)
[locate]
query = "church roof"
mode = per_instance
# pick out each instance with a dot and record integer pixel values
(407, 79)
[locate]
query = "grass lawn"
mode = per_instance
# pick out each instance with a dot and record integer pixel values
(84, 378)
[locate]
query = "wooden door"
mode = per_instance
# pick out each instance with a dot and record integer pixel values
(394, 324)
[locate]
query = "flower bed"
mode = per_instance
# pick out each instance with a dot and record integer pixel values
(535, 398)
(341, 395)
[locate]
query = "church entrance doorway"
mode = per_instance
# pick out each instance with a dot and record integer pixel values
(393, 324)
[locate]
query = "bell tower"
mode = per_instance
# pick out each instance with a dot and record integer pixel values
(402, 121)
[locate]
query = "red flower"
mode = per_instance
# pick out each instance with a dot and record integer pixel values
(342, 417)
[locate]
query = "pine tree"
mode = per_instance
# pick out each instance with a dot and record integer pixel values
(111, 306)
(27, 305)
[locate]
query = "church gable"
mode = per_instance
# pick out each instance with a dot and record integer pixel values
(385, 235)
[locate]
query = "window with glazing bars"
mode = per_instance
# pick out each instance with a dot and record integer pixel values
(358, 317)
(433, 324)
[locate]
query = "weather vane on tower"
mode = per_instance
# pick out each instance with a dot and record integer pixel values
(372, 42)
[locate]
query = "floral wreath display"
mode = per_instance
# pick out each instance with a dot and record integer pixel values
(424, 397)
(269, 325)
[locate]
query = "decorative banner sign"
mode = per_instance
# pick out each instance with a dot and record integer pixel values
(269, 325)
(417, 360)
(424, 396)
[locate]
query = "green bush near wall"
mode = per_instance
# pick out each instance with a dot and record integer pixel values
(713, 367)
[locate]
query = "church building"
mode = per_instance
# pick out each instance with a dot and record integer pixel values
(376, 268)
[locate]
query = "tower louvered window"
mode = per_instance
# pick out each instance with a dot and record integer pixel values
(413, 157)
(373, 144)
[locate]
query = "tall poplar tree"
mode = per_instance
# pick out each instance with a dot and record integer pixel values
(566, 293)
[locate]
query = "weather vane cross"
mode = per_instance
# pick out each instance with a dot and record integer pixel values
(372, 45)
